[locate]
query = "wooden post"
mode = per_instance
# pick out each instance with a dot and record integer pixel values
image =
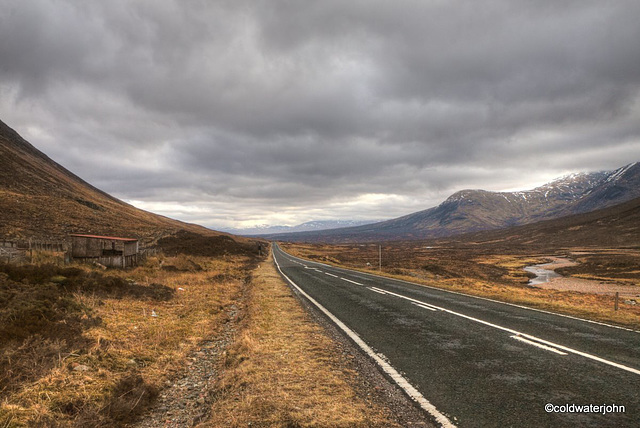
(617, 298)
(380, 258)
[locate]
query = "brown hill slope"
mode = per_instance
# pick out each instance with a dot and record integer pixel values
(617, 226)
(40, 199)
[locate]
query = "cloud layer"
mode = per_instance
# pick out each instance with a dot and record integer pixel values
(239, 112)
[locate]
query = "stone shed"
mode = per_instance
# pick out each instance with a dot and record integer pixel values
(109, 251)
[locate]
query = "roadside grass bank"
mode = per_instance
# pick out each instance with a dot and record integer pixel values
(83, 347)
(484, 273)
(285, 371)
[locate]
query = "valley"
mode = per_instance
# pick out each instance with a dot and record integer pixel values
(469, 211)
(496, 274)
(204, 331)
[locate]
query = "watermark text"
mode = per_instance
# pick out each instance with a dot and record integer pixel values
(584, 408)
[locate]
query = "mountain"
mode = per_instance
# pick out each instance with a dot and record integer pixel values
(41, 200)
(616, 226)
(303, 227)
(476, 210)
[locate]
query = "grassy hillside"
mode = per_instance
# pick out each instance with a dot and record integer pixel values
(42, 200)
(617, 226)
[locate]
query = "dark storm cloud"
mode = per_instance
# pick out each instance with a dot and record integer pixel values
(284, 111)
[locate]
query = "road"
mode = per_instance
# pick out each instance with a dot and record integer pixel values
(475, 362)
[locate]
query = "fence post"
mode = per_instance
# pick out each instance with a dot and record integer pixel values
(617, 298)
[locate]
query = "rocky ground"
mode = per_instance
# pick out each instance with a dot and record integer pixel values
(186, 400)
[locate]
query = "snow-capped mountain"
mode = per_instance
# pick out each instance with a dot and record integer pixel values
(476, 210)
(304, 227)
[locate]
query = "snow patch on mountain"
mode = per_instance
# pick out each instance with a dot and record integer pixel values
(304, 227)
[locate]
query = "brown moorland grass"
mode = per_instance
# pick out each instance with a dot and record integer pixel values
(494, 273)
(284, 371)
(80, 346)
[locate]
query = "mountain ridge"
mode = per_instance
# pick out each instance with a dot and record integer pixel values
(302, 227)
(473, 210)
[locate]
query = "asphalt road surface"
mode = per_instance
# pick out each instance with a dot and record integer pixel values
(473, 362)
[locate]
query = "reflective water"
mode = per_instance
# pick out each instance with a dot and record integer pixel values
(542, 275)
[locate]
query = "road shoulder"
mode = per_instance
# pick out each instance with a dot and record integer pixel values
(289, 366)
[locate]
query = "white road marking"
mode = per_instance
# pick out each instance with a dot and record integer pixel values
(348, 280)
(378, 358)
(527, 336)
(330, 274)
(374, 289)
(487, 299)
(517, 333)
(531, 342)
(424, 306)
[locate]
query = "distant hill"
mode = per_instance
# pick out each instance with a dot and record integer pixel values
(40, 199)
(475, 210)
(303, 227)
(616, 226)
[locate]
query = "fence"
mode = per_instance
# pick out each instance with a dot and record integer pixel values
(17, 251)
(33, 245)
(20, 251)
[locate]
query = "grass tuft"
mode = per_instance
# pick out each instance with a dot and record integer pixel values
(284, 371)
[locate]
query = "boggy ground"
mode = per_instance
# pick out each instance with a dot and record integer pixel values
(496, 272)
(182, 340)
(85, 347)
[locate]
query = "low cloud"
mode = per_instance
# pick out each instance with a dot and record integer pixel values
(227, 113)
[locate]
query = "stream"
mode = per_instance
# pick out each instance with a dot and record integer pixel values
(542, 275)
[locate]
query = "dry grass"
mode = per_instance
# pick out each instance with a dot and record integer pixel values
(125, 351)
(481, 272)
(284, 371)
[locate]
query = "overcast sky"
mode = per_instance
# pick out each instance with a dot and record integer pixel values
(235, 113)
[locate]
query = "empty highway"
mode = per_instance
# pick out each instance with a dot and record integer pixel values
(473, 362)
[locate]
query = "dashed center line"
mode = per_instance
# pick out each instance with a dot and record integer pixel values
(348, 280)
(330, 274)
(378, 358)
(522, 337)
(532, 340)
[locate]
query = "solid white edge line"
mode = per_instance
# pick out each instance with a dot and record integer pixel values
(348, 280)
(528, 336)
(376, 291)
(386, 367)
(538, 345)
(478, 297)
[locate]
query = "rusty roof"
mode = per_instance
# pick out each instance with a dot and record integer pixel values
(110, 238)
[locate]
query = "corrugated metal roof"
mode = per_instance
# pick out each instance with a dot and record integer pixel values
(110, 238)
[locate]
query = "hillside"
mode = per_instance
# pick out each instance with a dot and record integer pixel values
(42, 200)
(476, 210)
(612, 227)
